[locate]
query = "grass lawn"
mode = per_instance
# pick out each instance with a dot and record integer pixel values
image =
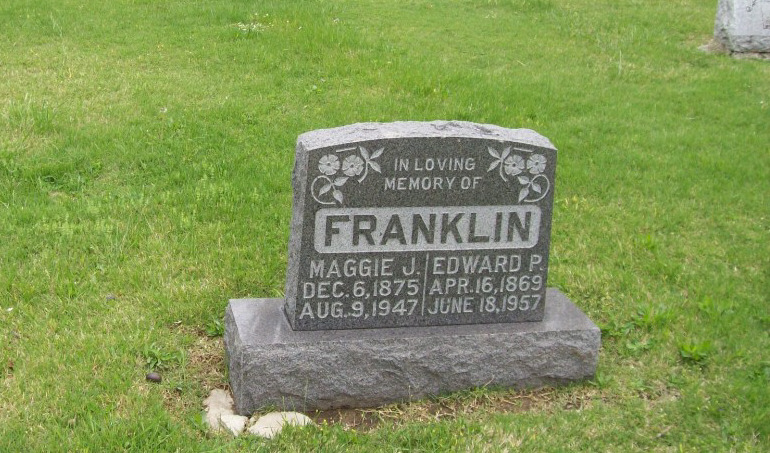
(146, 150)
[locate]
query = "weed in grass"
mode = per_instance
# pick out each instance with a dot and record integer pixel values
(636, 347)
(215, 327)
(675, 379)
(641, 386)
(715, 308)
(695, 353)
(648, 242)
(601, 380)
(652, 316)
(157, 358)
(616, 329)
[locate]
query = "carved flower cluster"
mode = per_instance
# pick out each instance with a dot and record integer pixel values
(352, 165)
(514, 164)
(530, 187)
(329, 183)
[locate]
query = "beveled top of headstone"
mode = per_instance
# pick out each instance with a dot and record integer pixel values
(419, 224)
(743, 26)
(358, 132)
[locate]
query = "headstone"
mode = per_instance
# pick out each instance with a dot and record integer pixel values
(415, 224)
(418, 259)
(743, 26)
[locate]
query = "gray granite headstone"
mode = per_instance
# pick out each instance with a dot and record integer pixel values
(743, 26)
(416, 253)
(419, 224)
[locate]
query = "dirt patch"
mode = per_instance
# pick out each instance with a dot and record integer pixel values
(202, 370)
(474, 403)
(358, 419)
(206, 361)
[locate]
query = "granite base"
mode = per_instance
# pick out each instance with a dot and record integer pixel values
(272, 365)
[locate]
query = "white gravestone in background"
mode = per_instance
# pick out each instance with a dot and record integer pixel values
(743, 26)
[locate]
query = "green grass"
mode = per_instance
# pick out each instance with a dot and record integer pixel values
(146, 151)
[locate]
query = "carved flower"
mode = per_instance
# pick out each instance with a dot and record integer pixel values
(536, 164)
(352, 165)
(514, 165)
(329, 164)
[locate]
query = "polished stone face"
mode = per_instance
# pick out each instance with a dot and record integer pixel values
(419, 224)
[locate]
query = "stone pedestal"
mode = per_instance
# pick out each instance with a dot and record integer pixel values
(271, 364)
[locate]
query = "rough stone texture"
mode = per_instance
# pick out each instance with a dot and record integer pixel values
(743, 26)
(270, 425)
(234, 424)
(486, 192)
(270, 364)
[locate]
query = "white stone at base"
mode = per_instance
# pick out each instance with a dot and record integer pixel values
(233, 423)
(218, 403)
(270, 425)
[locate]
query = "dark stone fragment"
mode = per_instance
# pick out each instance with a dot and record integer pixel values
(154, 377)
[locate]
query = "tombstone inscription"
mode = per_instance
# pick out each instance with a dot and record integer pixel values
(743, 26)
(418, 230)
(418, 259)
